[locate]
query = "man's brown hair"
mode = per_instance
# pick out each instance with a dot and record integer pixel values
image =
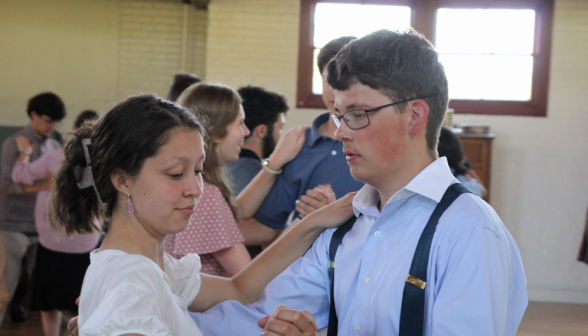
(330, 50)
(401, 65)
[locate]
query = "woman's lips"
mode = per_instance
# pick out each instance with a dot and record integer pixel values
(189, 210)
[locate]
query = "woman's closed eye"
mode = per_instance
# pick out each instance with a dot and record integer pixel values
(175, 176)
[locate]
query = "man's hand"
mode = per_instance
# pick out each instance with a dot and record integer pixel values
(334, 214)
(23, 144)
(72, 326)
(288, 322)
(288, 147)
(315, 199)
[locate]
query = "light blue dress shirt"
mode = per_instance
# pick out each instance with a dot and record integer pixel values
(475, 283)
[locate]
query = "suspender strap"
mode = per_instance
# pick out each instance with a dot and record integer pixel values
(412, 314)
(336, 240)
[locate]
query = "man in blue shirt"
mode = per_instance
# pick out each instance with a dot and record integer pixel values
(391, 94)
(321, 161)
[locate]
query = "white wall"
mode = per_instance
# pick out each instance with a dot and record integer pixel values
(539, 173)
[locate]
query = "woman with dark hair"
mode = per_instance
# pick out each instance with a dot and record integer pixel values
(140, 166)
(450, 146)
(213, 233)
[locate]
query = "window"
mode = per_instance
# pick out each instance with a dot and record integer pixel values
(495, 53)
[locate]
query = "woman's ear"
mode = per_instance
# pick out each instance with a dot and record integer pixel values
(121, 181)
(419, 111)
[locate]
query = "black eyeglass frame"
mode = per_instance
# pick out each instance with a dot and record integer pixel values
(337, 118)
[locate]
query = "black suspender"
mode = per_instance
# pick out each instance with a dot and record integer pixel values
(412, 314)
(336, 240)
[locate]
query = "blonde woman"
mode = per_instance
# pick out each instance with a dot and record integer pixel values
(213, 232)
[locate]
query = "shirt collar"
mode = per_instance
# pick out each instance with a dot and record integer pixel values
(28, 131)
(432, 183)
(246, 153)
(315, 135)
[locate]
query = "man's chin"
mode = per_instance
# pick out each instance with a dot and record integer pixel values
(357, 174)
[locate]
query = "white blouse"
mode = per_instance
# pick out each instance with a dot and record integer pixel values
(128, 293)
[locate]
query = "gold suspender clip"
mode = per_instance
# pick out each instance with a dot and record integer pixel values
(415, 281)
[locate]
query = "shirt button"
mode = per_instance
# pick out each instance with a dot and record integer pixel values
(357, 328)
(377, 233)
(366, 280)
(334, 152)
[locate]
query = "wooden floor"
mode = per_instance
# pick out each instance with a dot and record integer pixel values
(541, 319)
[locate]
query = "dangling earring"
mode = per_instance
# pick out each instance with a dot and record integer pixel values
(217, 150)
(130, 208)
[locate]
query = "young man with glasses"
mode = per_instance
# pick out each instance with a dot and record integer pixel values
(18, 235)
(422, 258)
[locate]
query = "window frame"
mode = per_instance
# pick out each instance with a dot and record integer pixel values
(423, 19)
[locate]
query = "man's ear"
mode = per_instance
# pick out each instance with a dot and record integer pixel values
(419, 114)
(121, 181)
(260, 131)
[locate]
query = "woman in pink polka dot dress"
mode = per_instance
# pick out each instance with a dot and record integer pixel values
(213, 232)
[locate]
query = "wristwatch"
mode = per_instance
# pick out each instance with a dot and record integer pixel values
(264, 164)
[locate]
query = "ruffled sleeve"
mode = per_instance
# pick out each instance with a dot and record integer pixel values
(187, 275)
(212, 227)
(127, 308)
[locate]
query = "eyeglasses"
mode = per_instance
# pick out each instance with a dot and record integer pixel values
(49, 120)
(358, 119)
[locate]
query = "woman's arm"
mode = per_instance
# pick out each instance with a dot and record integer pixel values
(287, 149)
(233, 259)
(248, 285)
(28, 173)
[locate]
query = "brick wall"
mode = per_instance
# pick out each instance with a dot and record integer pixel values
(150, 44)
(93, 53)
(256, 42)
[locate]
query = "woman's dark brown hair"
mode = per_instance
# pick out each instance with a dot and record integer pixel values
(220, 105)
(123, 139)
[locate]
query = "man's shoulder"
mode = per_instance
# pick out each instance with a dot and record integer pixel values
(468, 213)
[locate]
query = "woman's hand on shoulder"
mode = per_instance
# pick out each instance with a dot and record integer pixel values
(23, 143)
(334, 214)
(315, 199)
(288, 147)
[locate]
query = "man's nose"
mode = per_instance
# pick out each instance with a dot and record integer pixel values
(343, 132)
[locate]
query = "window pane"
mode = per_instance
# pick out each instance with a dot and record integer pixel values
(487, 53)
(485, 31)
(317, 80)
(488, 77)
(333, 20)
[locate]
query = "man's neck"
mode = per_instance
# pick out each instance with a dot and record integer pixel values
(254, 146)
(399, 179)
(43, 137)
(328, 129)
